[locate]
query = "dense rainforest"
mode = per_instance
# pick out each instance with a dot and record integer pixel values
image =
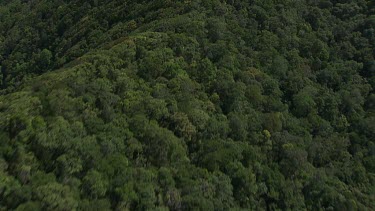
(187, 105)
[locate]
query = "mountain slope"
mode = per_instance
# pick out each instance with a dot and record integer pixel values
(205, 105)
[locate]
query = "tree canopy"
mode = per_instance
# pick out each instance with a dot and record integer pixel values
(187, 105)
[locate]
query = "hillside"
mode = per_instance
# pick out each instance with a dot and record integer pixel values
(187, 105)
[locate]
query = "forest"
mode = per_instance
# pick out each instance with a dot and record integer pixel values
(187, 105)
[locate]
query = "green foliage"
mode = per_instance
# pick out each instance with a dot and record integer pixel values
(187, 105)
(56, 196)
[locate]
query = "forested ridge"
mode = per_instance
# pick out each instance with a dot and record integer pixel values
(187, 105)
